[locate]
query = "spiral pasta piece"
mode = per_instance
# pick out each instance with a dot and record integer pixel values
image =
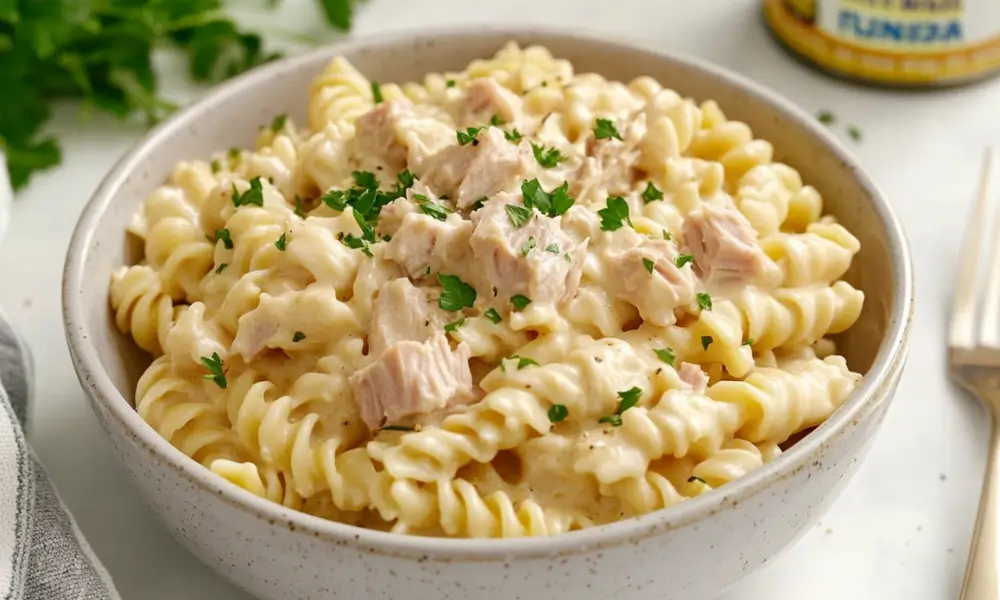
(797, 316)
(821, 255)
(339, 93)
(142, 309)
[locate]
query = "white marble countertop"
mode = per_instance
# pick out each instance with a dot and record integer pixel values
(902, 527)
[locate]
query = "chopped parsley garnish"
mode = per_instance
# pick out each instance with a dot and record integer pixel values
(528, 246)
(604, 129)
(376, 92)
(298, 337)
(255, 195)
(518, 215)
(704, 300)
(666, 235)
(549, 158)
(282, 242)
(223, 236)
(492, 315)
(355, 243)
(557, 413)
(214, 366)
(552, 248)
(468, 136)
(693, 479)
(615, 215)
(519, 301)
(628, 399)
(496, 121)
(749, 342)
(651, 193)
(649, 265)
(706, 341)
(854, 132)
(568, 259)
(479, 203)
(278, 123)
(222, 267)
(551, 204)
(666, 355)
(826, 117)
(456, 294)
(450, 83)
(429, 208)
(454, 325)
(428, 270)
(513, 135)
(364, 179)
(216, 166)
(683, 259)
(335, 199)
(233, 154)
(298, 207)
(396, 428)
(405, 179)
(522, 362)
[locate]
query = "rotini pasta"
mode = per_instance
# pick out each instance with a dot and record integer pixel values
(508, 301)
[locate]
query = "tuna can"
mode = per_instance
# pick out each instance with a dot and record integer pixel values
(896, 43)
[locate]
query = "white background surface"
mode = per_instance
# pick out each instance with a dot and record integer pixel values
(900, 530)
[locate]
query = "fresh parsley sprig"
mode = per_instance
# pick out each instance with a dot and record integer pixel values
(550, 204)
(455, 294)
(627, 400)
(214, 366)
(615, 214)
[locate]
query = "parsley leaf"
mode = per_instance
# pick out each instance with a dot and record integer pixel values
(223, 236)
(666, 355)
(558, 413)
(214, 366)
(298, 337)
(651, 193)
(683, 259)
(604, 129)
(648, 264)
(335, 199)
(615, 215)
(548, 159)
(355, 243)
(279, 123)
(479, 203)
(364, 179)
(706, 341)
(627, 400)
(396, 428)
(550, 204)
(513, 135)
(528, 246)
(523, 361)
(376, 92)
(255, 195)
(298, 207)
(406, 180)
(519, 301)
(450, 83)
(552, 248)
(282, 242)
(454, 325)
(749, 342)
(854, 133)
(430, 208)
(518, 215)
(693, 479)
(222, 267)
(826, 117)
(492, 315)
(496, 121)
(704, 300)
(468, 136)
(456, 294)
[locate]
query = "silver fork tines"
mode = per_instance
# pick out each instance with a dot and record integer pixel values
(974, 363)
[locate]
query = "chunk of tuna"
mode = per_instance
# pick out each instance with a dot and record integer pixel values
(537, 260)
(647, 276)
(486, 98)
(412, 378)
(479, 169)
(422, 242)
(398, 137)
(609, 168)
(725, 247)
(402, 312)
(693, 375)
(392, 215)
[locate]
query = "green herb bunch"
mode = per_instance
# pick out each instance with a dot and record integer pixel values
(100, 51)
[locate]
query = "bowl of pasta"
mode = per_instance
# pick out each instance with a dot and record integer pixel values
(502, 313)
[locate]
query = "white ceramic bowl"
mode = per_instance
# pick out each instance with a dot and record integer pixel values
(691, 551)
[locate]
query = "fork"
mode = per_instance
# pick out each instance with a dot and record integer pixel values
(974, 364)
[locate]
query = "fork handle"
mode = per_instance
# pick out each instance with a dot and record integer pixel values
(981, 581)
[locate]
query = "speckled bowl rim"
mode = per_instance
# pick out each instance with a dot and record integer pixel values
(106, 398)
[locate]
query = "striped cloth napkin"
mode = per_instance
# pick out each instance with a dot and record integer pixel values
(43, 556)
